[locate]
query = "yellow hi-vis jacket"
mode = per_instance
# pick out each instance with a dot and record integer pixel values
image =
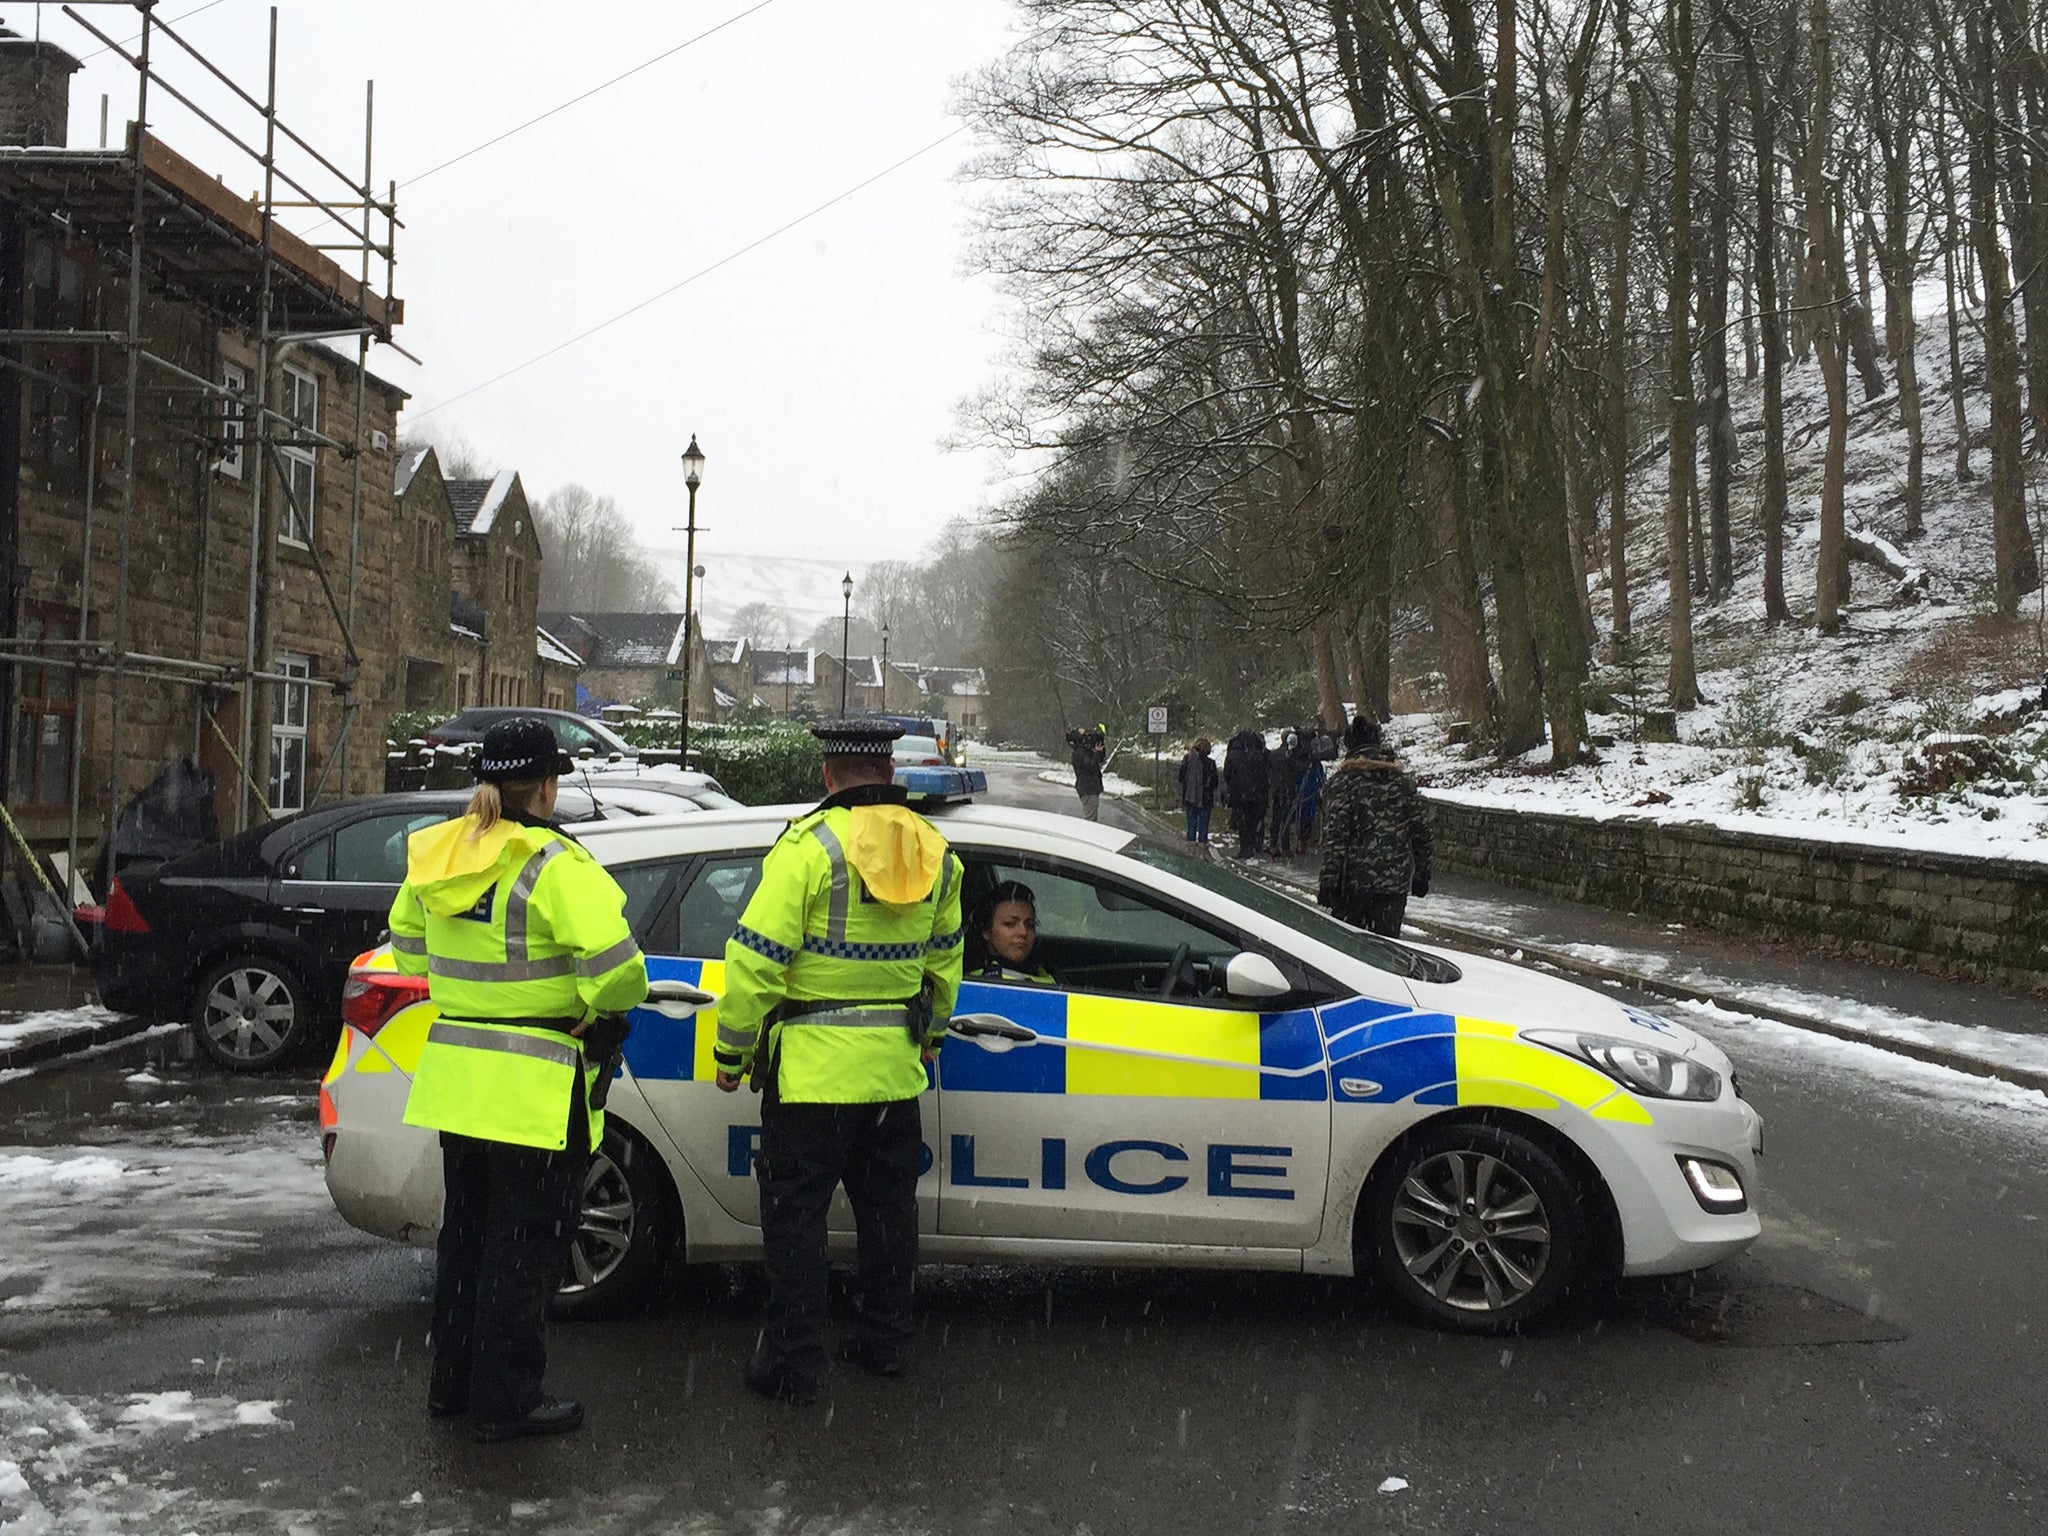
(521, 935)
(859, 905)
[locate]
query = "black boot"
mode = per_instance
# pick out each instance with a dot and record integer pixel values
(549, 1416)
(774, 1380)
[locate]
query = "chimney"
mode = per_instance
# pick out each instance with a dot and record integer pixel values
(35, 90)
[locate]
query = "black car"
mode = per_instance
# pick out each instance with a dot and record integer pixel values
(250, 939)
(577, 733)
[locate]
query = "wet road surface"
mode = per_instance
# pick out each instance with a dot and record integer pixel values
(1874, 1363)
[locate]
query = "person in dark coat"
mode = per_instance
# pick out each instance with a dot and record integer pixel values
(1246, 783)
(1376, 840)
(1198, 778)
(1091, 751)
(1291, 762)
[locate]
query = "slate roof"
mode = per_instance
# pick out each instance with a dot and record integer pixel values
(408, 465)
(959, 682)
(475, 503)
(618, 639)
(798, 668)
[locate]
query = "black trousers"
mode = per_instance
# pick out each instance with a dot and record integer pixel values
(1248, 823)
(1379, 914)
(808, 1150)
(508, 1219)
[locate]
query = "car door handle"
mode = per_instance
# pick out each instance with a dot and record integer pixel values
(991, 1026)
(307, 911)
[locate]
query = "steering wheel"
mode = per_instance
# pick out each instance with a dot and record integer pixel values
(1173, 969)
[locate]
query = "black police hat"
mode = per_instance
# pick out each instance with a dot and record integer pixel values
(521, 748)
(856, 737)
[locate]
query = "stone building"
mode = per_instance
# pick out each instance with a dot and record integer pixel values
(958, 693)
(627, 658)
(209, 584)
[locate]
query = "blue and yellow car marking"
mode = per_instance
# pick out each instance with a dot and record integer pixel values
(1385, 1056)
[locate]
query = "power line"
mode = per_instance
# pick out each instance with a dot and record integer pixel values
(723, 261)
(130, 42)
(644, 64)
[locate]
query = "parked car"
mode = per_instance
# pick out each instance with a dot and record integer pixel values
(1220, 1075)
(250, 939)
(578, 734)
(920, 752)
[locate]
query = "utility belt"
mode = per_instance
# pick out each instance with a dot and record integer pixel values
(917, 1023)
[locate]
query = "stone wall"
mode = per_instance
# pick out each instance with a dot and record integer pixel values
(1947, 913)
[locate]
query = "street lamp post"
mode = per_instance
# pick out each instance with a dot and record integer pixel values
(885, 666)
(845, 630)
(693, 476)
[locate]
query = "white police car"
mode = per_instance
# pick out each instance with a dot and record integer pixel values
(1222, 1076)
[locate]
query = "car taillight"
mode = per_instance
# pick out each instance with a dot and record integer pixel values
(931, 762)
(122, 914)
(370, 998)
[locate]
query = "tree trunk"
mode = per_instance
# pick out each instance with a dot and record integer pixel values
(1763, 119)
(1328, 689)
(1714, 354)
(1964, 474)
(1617, 420)
(1682, 681)
(1452, 584)
(2023, 84)
(2015, 564)
(1895, 262)
(1831, 572)
(1856, 322)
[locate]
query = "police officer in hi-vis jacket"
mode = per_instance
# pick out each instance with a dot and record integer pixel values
(839, 981)
(523, 939)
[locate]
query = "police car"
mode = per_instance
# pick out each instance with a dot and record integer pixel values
(1220, 1076)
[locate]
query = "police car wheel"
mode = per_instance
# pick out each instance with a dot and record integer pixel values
(625, 1223)
(250, 1011)
(1476, 1227)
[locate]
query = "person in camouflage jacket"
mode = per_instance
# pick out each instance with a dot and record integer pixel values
(1375, 835)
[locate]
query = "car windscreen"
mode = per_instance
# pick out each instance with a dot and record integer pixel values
(1381, 954)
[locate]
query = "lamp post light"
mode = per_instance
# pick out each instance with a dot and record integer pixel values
(845, 630)
(693, 476)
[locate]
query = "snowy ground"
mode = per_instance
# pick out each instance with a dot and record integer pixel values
(1804, 732)
(1112, 783)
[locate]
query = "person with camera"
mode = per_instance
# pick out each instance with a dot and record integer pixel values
(1090, 754)
(523, 939)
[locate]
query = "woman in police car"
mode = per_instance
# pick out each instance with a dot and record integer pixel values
(523, 939)
(1009, 936)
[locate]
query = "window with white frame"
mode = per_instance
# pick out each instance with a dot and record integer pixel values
(301, 405)
(290, 709)
(233, 427)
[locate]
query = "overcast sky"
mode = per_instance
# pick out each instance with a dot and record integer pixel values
(819, 371)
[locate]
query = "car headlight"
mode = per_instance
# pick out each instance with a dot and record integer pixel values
(1641, 1068)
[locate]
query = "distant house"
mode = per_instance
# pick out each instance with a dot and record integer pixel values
(497, 566)
(958, 693)
(556, 670)
(787, 679)
(870, 686)
(625, 657)
(730, 666)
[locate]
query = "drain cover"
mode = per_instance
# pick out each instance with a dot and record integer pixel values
(1766, 1315)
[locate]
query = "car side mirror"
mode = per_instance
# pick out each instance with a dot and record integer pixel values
(678, 999)
(1254, 975)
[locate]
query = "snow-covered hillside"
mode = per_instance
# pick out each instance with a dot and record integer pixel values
(1811, 730)
(803, 587)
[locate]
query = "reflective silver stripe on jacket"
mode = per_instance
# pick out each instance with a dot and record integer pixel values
(852, 1018)
(470, 1037)
(522, 891)
(606, 959)
(406, 944)
(501, 970)
(835, 920)
(735, 1039)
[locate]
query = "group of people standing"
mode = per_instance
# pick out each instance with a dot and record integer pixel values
(1366, 811)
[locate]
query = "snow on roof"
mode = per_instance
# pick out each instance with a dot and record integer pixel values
(721, 698)
(549, 649)
(621, 639)
(463, 632)
(786, 668)
(726, 652)
(957, 682)
(675, 645)
(408, 465)
(476, 503)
